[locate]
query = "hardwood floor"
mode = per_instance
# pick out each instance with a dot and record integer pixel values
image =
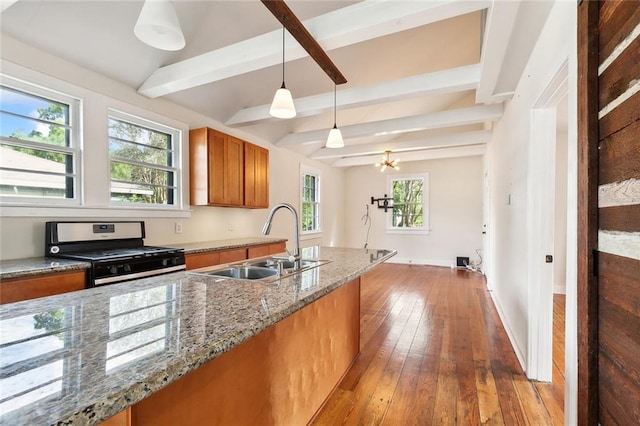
(433, 351)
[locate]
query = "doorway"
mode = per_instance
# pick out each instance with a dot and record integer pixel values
(547, 200)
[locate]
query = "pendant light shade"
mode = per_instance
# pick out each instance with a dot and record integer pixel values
(158, 26)
(334, 140)
(282, 105)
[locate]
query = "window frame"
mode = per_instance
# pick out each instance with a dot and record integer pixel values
(93, 188)
(75, 148)
(425, 228)
(304, 171)
(176, 168)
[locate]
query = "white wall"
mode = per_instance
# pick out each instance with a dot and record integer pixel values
(510, 178)
(455, 208)
(22, 237)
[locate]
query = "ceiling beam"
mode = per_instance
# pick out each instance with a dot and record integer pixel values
(436, 120)
(290, 21)
(6, 4)
(405, 157)
(499, 26)
(434, 83)
(343, 27)
(458, 139)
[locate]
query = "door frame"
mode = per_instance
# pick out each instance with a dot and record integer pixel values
(540, 224)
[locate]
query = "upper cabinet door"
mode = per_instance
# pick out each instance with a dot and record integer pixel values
(233, 171)
(256, 176)
(227, 171)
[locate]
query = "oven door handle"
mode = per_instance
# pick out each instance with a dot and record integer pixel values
(118, 278)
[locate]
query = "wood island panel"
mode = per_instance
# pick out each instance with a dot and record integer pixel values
(18, 289)
(281, 376)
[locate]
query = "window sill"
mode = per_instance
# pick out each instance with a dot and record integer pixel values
(395, 231)
(311, 235)
(111, 212)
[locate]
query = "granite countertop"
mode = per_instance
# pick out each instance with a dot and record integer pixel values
(206, 246)
(25, 268)
(79, 358)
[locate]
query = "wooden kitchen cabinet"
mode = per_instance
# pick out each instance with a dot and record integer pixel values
(211, 258)
(18, 289)
(200, 260)
(256, 176)
(222, 175)
(266, 250)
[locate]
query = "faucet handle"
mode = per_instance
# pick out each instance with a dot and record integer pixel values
(292, 258)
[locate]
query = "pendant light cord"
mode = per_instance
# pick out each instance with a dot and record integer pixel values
(283, 53)
(334, 106)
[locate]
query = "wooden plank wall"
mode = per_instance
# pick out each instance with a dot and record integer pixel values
(618, 261)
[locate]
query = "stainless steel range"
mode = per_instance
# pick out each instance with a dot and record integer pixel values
(115, 250)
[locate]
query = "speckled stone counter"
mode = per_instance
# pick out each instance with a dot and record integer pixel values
(218, 245)
(23, 268)
(79, 358)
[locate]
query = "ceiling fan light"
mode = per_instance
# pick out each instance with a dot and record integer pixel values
(158, 26)
(335, 138)
(282, 105)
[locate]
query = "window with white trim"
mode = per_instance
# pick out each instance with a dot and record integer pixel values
(39, 145)
(144, 162)
(310, 202)
(410, 204)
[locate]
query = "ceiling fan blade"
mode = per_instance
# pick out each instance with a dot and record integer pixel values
(281, 11)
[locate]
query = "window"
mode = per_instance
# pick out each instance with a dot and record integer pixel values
(310, 202)
(144, 162)
(39, 145)
(410, 207)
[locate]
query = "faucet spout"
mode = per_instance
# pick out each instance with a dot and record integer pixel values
(266, 229)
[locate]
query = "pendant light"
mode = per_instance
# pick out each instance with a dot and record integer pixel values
(335, 136)
(282, 105)
(386, 162)
(158, 26)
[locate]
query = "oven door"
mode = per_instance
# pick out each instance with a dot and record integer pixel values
(114, 271)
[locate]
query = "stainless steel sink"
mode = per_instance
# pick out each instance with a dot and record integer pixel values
(265, 269)
(287, 265)
(241, 272)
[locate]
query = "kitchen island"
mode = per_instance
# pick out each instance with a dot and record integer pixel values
(82, 357)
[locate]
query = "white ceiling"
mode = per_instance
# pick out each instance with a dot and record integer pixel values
(424, 77)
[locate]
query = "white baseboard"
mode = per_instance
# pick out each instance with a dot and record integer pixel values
(412, 261)
(505, 324)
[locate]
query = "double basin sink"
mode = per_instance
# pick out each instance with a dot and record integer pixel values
(264, 269)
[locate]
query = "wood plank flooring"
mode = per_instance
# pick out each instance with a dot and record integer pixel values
(434, 352)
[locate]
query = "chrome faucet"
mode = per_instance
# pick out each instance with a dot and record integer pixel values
(267, 228)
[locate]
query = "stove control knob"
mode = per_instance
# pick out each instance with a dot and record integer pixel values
(165, 262)
(175, 260)
(127, 268)
(113, 269)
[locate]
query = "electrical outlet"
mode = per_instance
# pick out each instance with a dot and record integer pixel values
(178, 227)
(230, 226)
